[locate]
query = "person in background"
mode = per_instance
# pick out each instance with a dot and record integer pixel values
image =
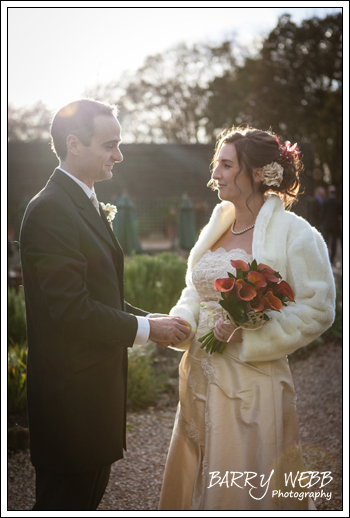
(331, 222)
(316, 207)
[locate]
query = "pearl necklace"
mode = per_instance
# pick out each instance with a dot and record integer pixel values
(241, 231)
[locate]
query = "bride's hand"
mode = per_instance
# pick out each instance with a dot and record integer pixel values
(222, 332)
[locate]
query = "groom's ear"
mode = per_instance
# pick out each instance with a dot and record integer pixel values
(73, 143)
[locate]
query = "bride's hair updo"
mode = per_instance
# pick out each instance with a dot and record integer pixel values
(255, 149)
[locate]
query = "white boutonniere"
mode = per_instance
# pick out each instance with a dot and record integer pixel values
(110, 211)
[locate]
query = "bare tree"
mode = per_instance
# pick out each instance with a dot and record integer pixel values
(29, 123)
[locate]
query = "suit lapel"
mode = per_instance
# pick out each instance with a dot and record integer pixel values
(120, 263)
(86, 209)
(110, 231)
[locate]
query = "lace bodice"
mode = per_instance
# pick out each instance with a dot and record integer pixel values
(214, 265)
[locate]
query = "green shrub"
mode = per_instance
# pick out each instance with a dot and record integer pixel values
(144, 385)
(16, 319)
(16, 378)
(154, 283)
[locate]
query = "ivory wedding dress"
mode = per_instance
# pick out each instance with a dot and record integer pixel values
(232, 416)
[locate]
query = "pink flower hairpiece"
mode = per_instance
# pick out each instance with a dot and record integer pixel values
(288, 152)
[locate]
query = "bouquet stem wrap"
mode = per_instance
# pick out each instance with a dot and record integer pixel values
(212, 345)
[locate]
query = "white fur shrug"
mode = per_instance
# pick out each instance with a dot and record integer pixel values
(288, 244)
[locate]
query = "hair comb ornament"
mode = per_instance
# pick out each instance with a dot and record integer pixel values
(288, 152)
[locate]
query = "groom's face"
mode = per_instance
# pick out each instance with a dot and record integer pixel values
(96, 161)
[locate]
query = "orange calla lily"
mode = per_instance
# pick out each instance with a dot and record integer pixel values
(262, 266)
(240, 264)
(272, 302)
(244, 291)
(224, 284)
(268, 272)
(257, 279)
(285, 290)
(256, 304)
(269, 275)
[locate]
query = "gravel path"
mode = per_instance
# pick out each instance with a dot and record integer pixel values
(135, 481)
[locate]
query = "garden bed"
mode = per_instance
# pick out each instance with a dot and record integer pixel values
(135, 481)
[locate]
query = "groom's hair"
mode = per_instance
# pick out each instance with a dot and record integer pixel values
(77, 118)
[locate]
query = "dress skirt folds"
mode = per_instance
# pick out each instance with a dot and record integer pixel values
(235, 443)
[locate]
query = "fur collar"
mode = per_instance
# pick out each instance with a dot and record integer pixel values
(223, 216)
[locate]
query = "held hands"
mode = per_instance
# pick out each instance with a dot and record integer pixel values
(166, 330)
(222, 332)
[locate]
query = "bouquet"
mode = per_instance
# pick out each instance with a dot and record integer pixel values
(246, 297)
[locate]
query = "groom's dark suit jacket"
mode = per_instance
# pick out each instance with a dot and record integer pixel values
(79, 329)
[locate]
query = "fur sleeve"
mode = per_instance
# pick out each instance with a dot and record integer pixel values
(188, 305)
(297, 324)
(188, 309)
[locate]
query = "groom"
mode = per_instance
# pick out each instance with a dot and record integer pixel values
(79, 326)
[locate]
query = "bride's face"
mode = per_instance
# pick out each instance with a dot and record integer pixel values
(230, 181)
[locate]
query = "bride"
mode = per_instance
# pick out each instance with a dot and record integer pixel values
(235, 442)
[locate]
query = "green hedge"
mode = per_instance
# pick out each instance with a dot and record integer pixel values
(17, 351)
(154, 283)
(16, 316)
(16, 378)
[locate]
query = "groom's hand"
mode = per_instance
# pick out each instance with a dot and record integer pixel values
(166, 330)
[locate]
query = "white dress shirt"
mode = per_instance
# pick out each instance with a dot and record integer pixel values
(143, 327)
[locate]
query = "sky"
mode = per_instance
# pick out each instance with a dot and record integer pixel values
(56, 52)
